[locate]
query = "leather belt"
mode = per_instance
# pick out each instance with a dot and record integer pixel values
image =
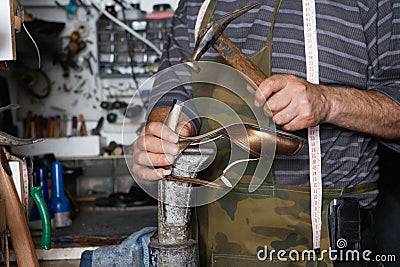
(252, 138)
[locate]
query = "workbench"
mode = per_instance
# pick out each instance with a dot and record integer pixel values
(91, 227)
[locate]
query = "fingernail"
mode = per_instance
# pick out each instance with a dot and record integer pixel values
(169, 158)
(161, 173)
(173, 138)
(174, 150)
(267, 109)
(256, 104)
(167, 172)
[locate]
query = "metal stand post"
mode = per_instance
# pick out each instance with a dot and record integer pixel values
(173, 247)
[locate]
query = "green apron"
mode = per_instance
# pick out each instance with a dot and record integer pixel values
(232, 230)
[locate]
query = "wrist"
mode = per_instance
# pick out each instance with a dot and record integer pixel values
(331, 104)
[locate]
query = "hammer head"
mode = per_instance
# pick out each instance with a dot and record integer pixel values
(214, 29)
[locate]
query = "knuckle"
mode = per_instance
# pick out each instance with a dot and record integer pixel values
(309, 116)
(152, 127)
(290, 77)
(143, 131)
(272, 81)
(136, 159)
(269, 105)
(277, 119)
(135, 169)
(141, 145)
(141, 158)
(301, 88)
(148, 127)
(267, 111)
(305, 104)
(135, 145)
(287, 127)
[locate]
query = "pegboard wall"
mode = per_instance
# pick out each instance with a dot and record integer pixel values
(77, 89)
(83, 90)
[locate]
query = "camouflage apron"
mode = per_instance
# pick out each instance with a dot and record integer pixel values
(237, 227)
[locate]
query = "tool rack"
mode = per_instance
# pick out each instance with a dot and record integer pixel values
(117, 54)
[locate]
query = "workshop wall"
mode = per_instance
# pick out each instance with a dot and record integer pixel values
(73, 86)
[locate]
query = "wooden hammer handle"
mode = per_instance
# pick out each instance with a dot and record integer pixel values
(232, 54)
(16, 221)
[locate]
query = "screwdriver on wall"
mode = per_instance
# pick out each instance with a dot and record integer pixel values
(74, 131)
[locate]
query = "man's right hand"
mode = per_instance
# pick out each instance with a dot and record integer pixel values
(157, 146)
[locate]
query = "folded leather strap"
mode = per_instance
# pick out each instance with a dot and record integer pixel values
(252, 138)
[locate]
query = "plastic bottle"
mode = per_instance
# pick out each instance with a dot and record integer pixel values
(59, 201)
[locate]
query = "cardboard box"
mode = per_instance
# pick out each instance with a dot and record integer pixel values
(74, 146)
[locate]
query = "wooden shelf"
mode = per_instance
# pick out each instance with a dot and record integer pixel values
(94, 158)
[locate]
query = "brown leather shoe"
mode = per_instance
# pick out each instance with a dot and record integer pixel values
(252, 138)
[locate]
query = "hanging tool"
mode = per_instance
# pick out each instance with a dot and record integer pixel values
(49, 127)
(113, 105)
(87, 60)
(96, 131)
(70, 8)
(67, 57)
(56, 126)
(36, 82)
(74, 131)
(64, 126)
(82, 129)
(112, 117)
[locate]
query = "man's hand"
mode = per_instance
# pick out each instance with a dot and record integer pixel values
(157, 147)
(295, 103)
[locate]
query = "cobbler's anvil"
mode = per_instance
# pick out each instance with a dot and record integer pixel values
(173, 245)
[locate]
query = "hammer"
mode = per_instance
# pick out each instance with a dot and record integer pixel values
(213, 36)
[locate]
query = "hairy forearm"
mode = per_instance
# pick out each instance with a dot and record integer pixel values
(369, 112)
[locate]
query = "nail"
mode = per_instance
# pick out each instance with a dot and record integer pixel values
(173, 138)
(167, 172)
(169, 158)
(160, 173)
(174, 150)
(267, 109)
